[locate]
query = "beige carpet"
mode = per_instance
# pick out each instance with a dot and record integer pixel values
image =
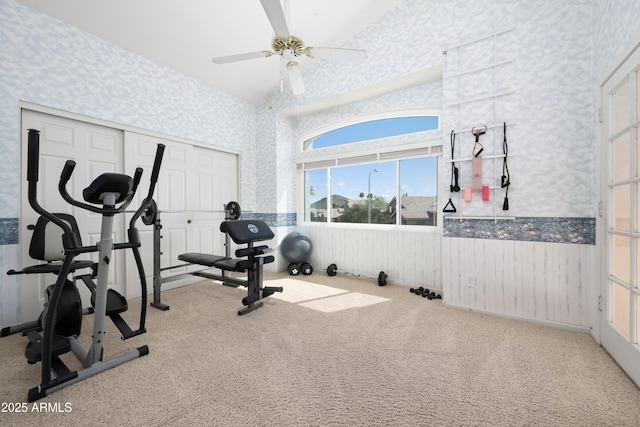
(338, 351)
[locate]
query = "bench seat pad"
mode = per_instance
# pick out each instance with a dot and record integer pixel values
(201, 259)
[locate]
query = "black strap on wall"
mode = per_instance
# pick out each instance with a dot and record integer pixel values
(506, 179)
(453, 186)
(449, 207)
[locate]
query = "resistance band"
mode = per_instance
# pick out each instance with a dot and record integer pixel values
(453, 186)
(476, 161)
(506, 179)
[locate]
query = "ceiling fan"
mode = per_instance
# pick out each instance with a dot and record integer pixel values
(290, 47)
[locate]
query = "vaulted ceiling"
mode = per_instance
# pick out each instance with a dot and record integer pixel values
(185, 35)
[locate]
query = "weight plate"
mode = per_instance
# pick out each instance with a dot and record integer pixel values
(294, 269)
(332, 269)
(234, 210)
(149, 215)
(382, 278)
(307, 269)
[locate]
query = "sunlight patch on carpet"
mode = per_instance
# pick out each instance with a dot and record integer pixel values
(320, 297)
(297, 291)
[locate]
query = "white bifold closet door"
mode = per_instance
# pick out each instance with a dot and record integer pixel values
(195, 181)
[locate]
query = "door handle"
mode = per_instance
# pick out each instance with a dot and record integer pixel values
(31, 227)
(188, 221)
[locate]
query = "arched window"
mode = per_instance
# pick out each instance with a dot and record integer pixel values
(372, 129)
(394, 185)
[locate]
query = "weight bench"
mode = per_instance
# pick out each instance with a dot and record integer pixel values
(251, 260)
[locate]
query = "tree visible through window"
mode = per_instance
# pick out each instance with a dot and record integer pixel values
(402, 191)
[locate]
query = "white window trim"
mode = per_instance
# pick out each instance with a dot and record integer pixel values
(367, 118)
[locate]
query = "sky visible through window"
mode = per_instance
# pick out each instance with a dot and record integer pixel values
(352, 181)
(376, 129)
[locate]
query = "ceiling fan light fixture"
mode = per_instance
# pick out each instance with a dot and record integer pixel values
(295, 78)
(290, 48)
(295, 44)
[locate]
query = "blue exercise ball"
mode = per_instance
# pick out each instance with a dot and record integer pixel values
(296, 247)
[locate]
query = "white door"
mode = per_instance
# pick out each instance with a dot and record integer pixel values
(193, 185)
(620, 307)
(95, 149)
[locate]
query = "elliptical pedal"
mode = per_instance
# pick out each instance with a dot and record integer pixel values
(116, 303)
(33, 351)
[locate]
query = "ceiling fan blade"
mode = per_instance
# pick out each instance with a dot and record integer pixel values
(347, 55)
(274, 12)
(295, 79)
(241, 57)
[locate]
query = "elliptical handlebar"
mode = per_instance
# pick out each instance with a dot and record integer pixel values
(152, 185)
(33, 163)
(156, 166)
(33, 155)
(69, 166)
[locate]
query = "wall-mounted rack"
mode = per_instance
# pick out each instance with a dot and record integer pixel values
(479, 79)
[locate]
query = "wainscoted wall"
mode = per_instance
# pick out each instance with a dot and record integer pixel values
(547, 282)
(408, 256)
(546, 254)
(535, 268)
(9, 297)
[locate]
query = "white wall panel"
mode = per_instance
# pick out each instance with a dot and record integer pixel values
(539, 281)
(407, 256)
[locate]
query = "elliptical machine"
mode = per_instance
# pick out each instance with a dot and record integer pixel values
(109, 194)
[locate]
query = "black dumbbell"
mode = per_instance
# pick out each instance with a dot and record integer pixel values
(294, 269)
(417, 291)
(434, 296)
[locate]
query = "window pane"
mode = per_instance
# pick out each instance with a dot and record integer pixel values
(620, 314)
(621, 208)
(315, 195)
(637, 150)
(418, 190)
(637, 95)
(621, 157)
(361, 194)
(621, 258)
(621, 115)
(637, 319)
(373, 129)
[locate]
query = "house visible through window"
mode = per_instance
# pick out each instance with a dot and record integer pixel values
(389, 187)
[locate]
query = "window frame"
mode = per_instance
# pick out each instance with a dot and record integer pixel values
(430, 144)
(363, 119)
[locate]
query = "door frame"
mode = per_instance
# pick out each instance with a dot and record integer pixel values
(605, 335)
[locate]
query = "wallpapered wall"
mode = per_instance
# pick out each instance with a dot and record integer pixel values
(559, 50)
(553, 58)
(551, 109)
(46, 62)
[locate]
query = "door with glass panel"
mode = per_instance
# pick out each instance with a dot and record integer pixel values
(620, 298)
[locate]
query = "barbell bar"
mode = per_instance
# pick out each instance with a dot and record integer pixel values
(149, 216)
(332, 270)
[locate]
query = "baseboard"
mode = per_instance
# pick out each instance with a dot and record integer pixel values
(574, 328)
